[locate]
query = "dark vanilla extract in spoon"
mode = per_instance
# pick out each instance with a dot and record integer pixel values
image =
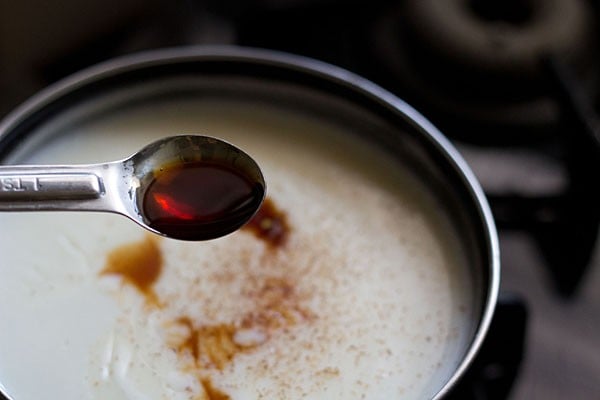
(200, 200)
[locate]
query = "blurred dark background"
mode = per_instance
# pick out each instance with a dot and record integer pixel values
(513, 83)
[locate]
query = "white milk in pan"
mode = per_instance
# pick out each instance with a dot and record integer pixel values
(349, 284)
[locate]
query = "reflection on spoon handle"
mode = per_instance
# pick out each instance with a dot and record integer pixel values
(34, 188)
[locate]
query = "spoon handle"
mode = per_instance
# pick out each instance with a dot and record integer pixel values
(34, 187)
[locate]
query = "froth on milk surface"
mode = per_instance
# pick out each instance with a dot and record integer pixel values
(348, 285)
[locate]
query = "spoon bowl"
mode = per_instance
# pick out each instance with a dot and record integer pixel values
(186, 187)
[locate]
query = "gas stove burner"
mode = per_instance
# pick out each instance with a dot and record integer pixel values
(479, 61)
